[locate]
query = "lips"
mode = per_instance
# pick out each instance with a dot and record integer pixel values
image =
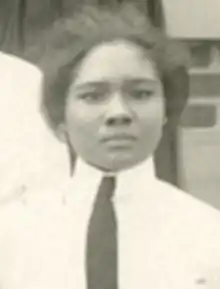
(119, 139)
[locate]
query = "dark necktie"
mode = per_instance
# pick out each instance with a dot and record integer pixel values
(101, 255)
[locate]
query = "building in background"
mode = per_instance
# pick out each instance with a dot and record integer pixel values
(197, 22)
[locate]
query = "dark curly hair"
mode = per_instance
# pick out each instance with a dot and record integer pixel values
(65, 44)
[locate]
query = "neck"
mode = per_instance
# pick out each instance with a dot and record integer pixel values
(148, 165)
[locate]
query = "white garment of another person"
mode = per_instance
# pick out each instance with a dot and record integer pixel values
(27, 147)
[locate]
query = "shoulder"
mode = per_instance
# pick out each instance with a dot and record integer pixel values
(15, 64)
(192, 227)
(18, 75)
(194, 220)
(20, 82)
(23, 201)
(186, 205)
(42, 187)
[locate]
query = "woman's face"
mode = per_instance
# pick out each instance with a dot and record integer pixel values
(115, 107)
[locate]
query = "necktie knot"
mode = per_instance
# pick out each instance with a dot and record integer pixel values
(107, 187)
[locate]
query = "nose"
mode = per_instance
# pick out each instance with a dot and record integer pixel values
(118, 112)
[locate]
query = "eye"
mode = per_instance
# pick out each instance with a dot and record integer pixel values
(142, 94)
(92, 96)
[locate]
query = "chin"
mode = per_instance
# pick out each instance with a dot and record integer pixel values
(122, 162)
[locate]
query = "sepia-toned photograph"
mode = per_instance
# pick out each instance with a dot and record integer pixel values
(110, 144)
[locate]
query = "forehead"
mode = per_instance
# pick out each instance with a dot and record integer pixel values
(115, 61)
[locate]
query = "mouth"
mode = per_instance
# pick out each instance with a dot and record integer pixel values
(119, 140)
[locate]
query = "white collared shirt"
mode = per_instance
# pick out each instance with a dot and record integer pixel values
(166, 239)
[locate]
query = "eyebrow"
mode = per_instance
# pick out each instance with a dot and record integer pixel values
(91, 84)
(103, 84)
(141, 81)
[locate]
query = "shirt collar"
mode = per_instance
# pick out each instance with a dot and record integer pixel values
(86, 179)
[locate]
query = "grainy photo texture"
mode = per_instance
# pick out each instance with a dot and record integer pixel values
(110, 144)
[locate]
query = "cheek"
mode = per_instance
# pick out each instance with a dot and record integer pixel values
(80, 120)
(152, 115)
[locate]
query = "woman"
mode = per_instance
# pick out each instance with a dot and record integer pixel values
(57, 62)
(113, 224)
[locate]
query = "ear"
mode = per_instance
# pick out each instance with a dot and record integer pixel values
(165, 120)
(61, 132)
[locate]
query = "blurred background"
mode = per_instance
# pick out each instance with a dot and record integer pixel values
(190, 152)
